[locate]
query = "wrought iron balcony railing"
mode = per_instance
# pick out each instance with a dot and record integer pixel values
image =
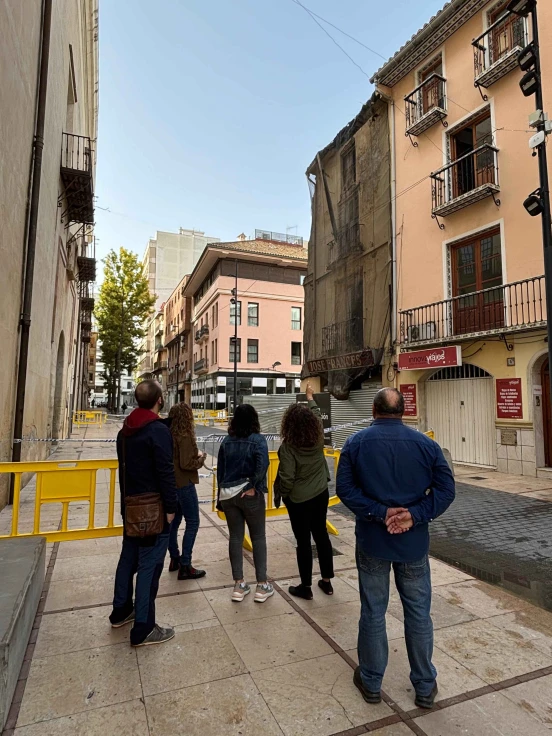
(343, 337)
(202, 333)
(426, 105)
(76, 174)
(200, 366)
(467, 180)
(496, 50)
(511, 307)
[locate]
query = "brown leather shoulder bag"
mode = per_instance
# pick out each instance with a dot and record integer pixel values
(144, 512)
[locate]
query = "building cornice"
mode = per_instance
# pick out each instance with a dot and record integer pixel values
(427, 40)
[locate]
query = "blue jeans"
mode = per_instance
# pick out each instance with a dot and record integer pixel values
(413, 580)
(188, 507)
(147, 563)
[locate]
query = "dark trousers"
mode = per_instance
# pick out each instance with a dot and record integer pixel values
(240, 511)
(188, 507)
(309, 518)
(146, 562)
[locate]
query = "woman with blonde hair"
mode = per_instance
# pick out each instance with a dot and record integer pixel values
(187, 461)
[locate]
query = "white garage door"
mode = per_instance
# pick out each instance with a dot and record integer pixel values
(460, 409)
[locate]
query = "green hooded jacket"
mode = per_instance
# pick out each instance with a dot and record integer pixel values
(303, 472)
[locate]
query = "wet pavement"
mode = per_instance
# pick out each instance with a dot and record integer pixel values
(498, 537)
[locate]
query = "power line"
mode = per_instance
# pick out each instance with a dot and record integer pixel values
(315, 15)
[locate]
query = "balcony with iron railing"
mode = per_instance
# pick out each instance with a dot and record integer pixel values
(496, 50)
(81, 255)
(202, 333)
(201, 366)
(348, 242)
(344, 337)
(426, 105)
(76, 175)
(466, 180)
(514, 307)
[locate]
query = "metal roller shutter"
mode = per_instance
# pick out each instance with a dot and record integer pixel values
(270, 423)
(357, 406)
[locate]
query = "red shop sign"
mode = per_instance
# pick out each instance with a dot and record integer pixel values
(408, 390)
(433, 358)
(508, 398)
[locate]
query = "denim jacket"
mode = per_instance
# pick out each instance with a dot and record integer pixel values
(242, 459)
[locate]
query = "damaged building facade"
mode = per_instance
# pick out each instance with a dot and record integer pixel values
(348, 289)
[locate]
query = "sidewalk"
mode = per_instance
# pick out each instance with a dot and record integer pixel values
(282, 667)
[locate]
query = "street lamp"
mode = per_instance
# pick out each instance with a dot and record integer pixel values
(234, 301)
(538, 202)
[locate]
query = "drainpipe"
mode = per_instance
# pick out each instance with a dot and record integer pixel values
(391, 102)
(30, 244)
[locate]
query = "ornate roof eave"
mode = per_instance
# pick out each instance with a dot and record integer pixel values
(429, 38)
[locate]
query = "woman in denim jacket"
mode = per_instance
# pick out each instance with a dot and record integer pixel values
(241, 473)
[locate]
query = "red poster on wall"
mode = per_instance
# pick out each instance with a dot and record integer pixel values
(508, 398)
(408, 390)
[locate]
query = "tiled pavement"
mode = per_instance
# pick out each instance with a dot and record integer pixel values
(283, 667)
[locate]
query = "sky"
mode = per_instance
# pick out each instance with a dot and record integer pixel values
(212, 110)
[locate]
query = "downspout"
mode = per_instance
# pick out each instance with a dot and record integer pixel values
(30, 244)
(391, 102)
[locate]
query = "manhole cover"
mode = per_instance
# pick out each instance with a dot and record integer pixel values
(477, 477)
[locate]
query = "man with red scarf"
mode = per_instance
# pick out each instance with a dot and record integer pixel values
(145, 444)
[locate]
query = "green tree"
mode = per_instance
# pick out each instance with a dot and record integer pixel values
(123, 305)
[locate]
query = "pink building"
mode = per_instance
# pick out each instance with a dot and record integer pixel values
(269, 315)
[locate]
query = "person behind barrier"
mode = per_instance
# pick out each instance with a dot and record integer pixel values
(241, 474)
(302, 481)
(187, 461)
(145, 453)
(395, 480)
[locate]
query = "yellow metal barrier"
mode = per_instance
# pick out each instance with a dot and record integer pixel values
(65, 483)
(89, 418)
(271, 509)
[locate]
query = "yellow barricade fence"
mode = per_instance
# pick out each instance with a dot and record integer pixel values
(89, 418)
(65, 482)
(331, 454)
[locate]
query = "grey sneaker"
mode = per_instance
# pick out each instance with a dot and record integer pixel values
(159, 635)
(263, 592)
(128, 620)
(240, 591)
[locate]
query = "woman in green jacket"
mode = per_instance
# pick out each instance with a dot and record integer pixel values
(303, 483)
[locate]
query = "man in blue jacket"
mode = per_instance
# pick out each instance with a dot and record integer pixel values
(395, 480)
(145, 452)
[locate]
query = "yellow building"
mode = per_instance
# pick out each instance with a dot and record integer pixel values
(470, 314)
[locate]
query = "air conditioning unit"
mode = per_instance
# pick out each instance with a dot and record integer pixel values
(425, 331)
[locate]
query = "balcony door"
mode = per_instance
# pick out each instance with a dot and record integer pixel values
(477, 280)
(432, 92)
(477, 169)
(507, 35)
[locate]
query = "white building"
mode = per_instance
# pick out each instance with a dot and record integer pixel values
(98, 393)
(169, 257)
(61, 265)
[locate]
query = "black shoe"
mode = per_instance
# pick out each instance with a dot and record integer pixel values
(174, 564)
(117, 623)
(427, 701)
(368, 695)
(326, 587)
(188, 572)
(301, 591)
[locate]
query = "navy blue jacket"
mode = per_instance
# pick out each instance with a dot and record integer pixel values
(242, 459)
(148, 456)
(389, 465)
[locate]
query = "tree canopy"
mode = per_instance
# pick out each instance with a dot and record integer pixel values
(124, 302)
